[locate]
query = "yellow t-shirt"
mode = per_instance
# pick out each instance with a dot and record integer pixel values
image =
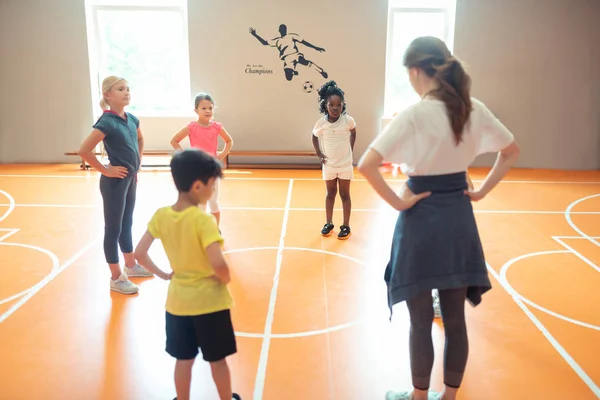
(185, 235)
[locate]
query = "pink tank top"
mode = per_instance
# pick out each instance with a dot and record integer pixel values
(205, 137)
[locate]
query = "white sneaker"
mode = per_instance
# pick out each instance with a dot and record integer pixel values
(139, 271)
(123, 285)
(398, 395)
(391, 395)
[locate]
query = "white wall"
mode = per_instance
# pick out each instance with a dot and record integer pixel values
(267, 112)
(535, 64)
(159, 131)
(45, 106)
(538, 74)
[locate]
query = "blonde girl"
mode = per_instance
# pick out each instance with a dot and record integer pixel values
(123, 141)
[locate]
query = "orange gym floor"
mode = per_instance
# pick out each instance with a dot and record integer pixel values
(310, 314)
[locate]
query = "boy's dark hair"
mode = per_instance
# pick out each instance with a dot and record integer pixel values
(326, 91)
(191, 165)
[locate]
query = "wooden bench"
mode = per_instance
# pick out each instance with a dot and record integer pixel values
(151, 153)
(238, 153)
(273, 153)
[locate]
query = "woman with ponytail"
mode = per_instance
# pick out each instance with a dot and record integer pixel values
(120, 132)
(436, 244)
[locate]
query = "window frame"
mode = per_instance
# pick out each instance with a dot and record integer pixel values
(97, 52)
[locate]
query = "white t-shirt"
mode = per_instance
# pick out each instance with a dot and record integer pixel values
(421, 141)
(335, 140)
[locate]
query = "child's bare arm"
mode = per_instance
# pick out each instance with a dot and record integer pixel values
(470, 182)
(141, 255)
(218, 262)
(315, 142)
(179, 136)
(228, 144)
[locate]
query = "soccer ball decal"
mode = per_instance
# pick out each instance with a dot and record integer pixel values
(308, 87)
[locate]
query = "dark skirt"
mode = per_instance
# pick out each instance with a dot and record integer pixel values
(436, 243)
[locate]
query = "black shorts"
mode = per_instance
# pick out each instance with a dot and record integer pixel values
(212, 333)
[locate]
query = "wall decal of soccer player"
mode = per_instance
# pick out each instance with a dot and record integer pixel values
(287, 44)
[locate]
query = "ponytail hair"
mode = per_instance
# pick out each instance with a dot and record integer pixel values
(431, 55)
(107, 85)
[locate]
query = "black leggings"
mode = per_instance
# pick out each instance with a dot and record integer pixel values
(118, 196)
(452, 304)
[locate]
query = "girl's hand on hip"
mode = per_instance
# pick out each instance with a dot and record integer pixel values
(116, 172)
(475, 195)
(408, 198)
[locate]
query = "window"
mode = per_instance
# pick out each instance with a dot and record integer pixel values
(409, 19)
(146, 42)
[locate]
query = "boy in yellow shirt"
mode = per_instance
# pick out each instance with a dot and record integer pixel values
(198, 300)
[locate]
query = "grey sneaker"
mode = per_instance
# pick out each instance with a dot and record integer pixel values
(123, 285)
(391, 395)
(138, 271)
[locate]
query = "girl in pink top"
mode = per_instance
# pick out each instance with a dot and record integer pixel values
(204, 135)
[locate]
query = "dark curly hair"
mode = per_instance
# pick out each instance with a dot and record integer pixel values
(326, 91)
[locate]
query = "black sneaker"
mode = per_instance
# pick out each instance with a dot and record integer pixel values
(326, 231)
(344, 232)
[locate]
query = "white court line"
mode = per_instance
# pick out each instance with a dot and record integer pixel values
(16, 296)
(575, 237)
(10, 231)
(578, 254)
(264, 352)
(47, 279)
(520, 299)
(568, 213)
(96, 176)
(515, 294)
(10, 205)
(561, 350)
(50, 176)
(56, 205)
(315, 209)
(300, 334)
(476, 211)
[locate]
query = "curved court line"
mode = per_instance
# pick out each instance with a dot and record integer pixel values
(300, 334)
(11, 205)
(16, 296)
(55, 264)
(553, 342)
(572, 224)
(47, 279)
(305, 333)
(514, 293)
(298, 249)
(520, 300)
(575, 252)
